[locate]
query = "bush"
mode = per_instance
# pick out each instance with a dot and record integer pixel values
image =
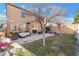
(47, 29)
(20, 52)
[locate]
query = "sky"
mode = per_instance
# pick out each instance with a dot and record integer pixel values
(70, 7)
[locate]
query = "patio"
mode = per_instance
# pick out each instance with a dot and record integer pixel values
(31, 38)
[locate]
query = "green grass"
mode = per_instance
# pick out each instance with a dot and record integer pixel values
(64, 45)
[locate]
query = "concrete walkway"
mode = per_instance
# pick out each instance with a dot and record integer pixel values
(31, 38)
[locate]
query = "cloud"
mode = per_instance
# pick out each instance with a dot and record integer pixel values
(4, 10)
(68, 20)
(23, 6)
(2, 17)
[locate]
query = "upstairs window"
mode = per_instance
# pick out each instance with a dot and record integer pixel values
(23, 14)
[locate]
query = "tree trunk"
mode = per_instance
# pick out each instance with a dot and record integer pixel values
(59, 27)
(44, 43)
(43, 31)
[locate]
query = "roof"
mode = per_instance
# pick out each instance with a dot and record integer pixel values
(27, 11)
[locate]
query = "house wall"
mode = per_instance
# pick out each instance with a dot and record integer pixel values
(14, 14)
(36, 26)
(14, 17)
(67, 29)
(77, 31)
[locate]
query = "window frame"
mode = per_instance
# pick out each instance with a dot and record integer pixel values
(22, 14)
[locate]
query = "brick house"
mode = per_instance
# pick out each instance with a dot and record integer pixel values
(20, 19)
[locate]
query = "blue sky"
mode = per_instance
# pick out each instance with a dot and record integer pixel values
(70, 7)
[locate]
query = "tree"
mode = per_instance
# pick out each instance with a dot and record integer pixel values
(43, 15)
(76, 20)
(58, 15)
(40, 14)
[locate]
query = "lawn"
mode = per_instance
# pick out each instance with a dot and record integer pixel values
(55, 46)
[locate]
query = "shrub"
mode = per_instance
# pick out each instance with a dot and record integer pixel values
(47, 29)
(22, 52)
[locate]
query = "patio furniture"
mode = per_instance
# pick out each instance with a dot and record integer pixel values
(24, 34)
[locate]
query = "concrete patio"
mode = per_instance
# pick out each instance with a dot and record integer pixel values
(31, 38)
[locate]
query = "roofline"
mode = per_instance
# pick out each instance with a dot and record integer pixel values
(18, 7)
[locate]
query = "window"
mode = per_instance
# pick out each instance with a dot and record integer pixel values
(23, 14)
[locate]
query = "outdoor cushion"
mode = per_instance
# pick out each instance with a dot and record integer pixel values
(24, 34)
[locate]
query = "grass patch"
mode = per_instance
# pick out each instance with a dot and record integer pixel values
(55, 46)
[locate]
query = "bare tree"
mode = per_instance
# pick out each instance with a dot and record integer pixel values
(43, 15)
(58, 15)
(40, 14)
